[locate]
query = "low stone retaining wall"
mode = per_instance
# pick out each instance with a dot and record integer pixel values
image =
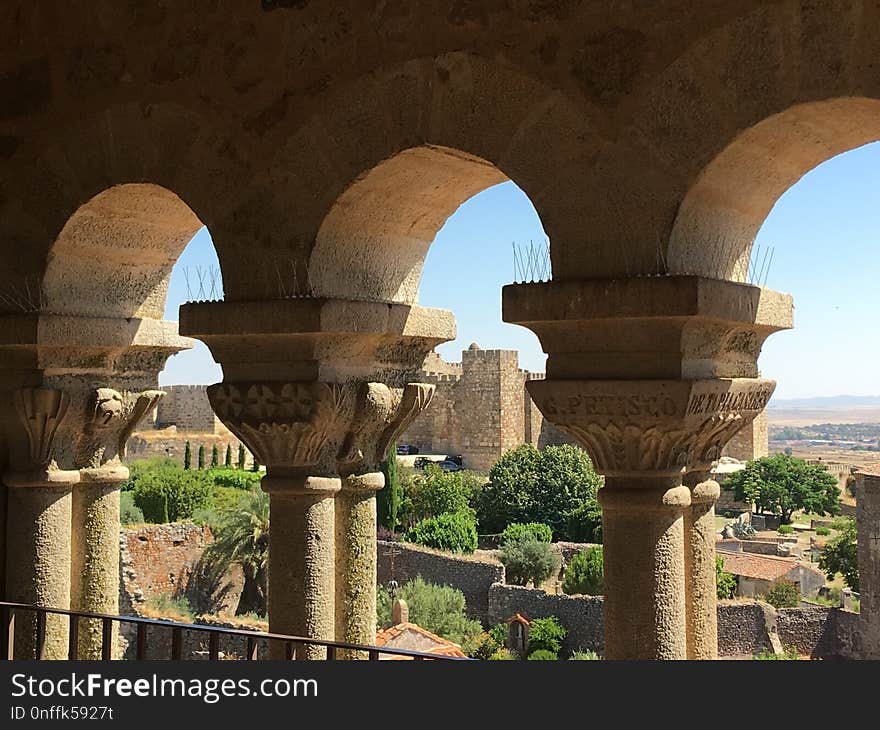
(473, 576)
(745, 628)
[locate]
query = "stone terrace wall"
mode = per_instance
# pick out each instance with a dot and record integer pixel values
(581, 615)
(472, 576)
(742, 629)
(158, 559)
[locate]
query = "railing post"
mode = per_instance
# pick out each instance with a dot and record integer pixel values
(373, 655)
(214, 646)
(141, 649)
(176, 643)
(8, 633)
(331, 653)
(251, 649)
(73, 638)
(41, 634)
(106, 639)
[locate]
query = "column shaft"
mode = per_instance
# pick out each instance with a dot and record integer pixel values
(643, 537)
(95, 554)
(356, 561)
(38, 563)
(702, 604)
(302, 570)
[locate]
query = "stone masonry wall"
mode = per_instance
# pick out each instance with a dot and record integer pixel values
(187, 407)
(750, 443)
(471, 575)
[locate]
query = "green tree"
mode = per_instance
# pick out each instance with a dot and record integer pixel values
(187, 456)
(215, 457)
(546, 634)
(241, 456)
(227, 462)
(535, 529)
(784, 594)
(439, 609)
(436, 492)
(781, 484)
(840, 555)
(725, 583)
(528, 485)
(585, 573)
(242, 538)
(456, 532)
(388, 498)
(255, 466)
(201, 456)
(526, 558)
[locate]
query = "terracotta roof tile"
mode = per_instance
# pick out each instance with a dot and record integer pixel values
(752, 565)
(392, 637)
(872, 471)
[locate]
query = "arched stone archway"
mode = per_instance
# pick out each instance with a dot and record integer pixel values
(724, 209)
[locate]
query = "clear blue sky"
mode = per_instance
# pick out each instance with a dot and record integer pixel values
(824, 234)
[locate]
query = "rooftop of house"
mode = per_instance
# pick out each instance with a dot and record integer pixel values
(873, 470)
(762, 567)
(411, 636)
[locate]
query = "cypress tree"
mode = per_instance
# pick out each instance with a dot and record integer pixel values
(227, 462)
(215, 456)
(388, 498)
(187, 456)
(241, 456)
(201, 456)
(256, 464)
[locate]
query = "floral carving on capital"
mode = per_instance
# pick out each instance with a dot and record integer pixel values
(294, 424)
(652, 427)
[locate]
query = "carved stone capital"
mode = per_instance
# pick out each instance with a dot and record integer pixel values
(290, 425)
(651, 427)
(382, 414)
(110, 417)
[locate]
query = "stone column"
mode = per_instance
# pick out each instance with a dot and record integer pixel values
(382, 414)
(868, 526)
(653, 377)
(315, 404)
(699, 529)
(643, 540)
(38, 526)
(107, 418)
(296, 430)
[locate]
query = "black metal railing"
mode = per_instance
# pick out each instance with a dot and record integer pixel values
(294, 646)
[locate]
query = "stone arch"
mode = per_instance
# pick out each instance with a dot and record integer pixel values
(114, 256)
(458, 114)
(724, 209)
(374, 240)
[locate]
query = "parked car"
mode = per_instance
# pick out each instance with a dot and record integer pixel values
(420, 462)
(406, 449)
(449, 465)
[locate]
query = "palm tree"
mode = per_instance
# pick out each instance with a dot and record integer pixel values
(242, 538)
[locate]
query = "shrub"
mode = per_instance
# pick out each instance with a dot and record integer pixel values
(504, 655)
(841, 523)
(528, 559)
(439, 609)
(584, 524)
(483, 647)
(784, 594)
(225, 498)
(436, 492)
(235, 479)
(785, 529)
(527, 485)
(789, 653)
(584, 575)
(823, 531)
(539, 531)
(168, 494)
(725, 583)
(840, 555)
(454, 532)
(743, 530)
(546, 634)
(170, 607)
(129, 513)
(542, 655)
(582, 655)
